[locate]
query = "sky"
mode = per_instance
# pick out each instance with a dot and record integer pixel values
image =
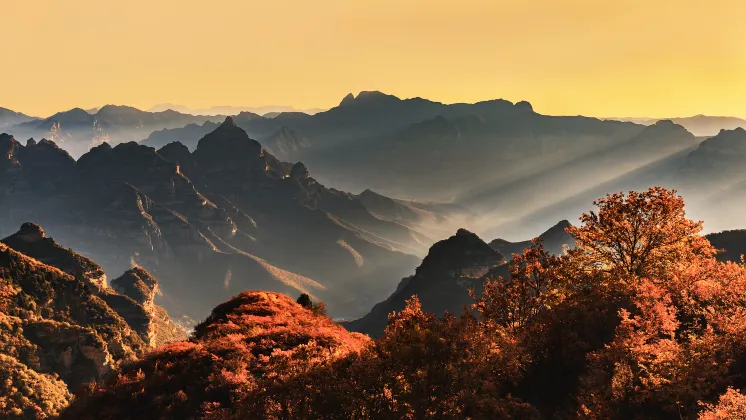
(623, 58)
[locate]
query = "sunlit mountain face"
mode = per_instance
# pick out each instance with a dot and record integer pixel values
(391, 210)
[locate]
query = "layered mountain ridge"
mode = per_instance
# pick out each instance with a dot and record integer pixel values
(226, 217)
(77, 130)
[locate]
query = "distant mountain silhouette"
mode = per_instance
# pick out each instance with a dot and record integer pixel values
(9, 118)
(731, 244)
(268, 110)
(699, 125)
(554, 240)
(188, 135)
(76, 130)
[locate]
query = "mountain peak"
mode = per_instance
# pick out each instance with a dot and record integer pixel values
(137, 284)
(31, 232)
(299, 171)
(350, 98)
(228, 122)
(460, 252)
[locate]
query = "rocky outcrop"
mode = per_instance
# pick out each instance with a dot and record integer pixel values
(59, 329)
(32, 241)
(442, 282)
(54, 323)
(138, 285)
(133, 297)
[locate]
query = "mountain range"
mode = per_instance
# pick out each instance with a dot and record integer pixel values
(267, 110)
(78, 130)
(699, 125)
(518, 169)
(452, 268)
(223, 218)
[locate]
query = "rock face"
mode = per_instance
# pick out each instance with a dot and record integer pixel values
(442, 281)
(61, 326)
(32, 241)
(136, 287)
(210, 223)
(243, 338)
(286, 144)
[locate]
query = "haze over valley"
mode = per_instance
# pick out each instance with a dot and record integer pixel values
(372, 210)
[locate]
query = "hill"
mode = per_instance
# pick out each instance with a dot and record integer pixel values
(247, 343)
(61, 326)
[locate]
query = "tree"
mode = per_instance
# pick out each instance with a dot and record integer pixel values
(534, 287)
(640, 234)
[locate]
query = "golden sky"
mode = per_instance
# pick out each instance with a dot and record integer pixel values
(593, 57)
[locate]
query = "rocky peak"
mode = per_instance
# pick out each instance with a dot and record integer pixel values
(32, 241)
(229, 122)
(30, 232)
(230, 150)
(347, 100)
(730, 143)
(175, 152)
(461, 255)
(30, 143)
(299, 171)
(138, 285)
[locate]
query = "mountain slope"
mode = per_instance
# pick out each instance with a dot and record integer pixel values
(210, 223)
(442, 281)
(232, 351)
(9, 118)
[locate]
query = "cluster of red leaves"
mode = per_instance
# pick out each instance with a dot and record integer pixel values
(246, 345)
(639, 321)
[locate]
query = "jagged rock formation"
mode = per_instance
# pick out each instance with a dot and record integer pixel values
(442, 281)
(61, 326)
(554, 240)
(210, 223)
(134, 294)
(231, 351)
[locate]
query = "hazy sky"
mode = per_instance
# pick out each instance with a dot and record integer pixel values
(592, 57)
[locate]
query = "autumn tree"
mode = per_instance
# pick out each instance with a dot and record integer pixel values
(534, 287)
(731, 406)
(640, 234)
